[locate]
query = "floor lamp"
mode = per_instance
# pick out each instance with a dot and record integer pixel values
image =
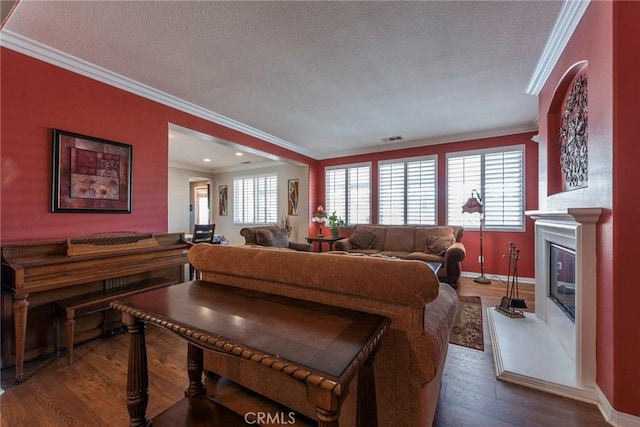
(474, 205)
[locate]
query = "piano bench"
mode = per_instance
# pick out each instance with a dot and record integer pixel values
(81, 305)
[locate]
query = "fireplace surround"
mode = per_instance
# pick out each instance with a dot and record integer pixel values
(524, 349)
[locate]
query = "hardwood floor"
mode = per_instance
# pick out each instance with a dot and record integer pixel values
(471, 396)
(91, 392)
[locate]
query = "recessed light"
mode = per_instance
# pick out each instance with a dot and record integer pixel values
(207, 160)
(239, 154)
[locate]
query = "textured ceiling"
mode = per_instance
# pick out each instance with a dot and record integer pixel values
(328, 78)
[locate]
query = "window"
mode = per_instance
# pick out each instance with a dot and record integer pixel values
(255, 200)
(498, 175)
(407, 191)
(348, 192)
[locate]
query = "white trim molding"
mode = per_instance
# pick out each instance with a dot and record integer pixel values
(50, 55)
(56, 57)
(614, 417)
(570, 15)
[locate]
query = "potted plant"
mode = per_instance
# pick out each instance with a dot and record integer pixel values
(335, 222)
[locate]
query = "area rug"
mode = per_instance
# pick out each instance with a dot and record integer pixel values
(467, 329)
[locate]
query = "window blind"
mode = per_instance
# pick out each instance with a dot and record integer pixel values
(255, 200)
(498, 175)
(407, 192)
(348, 193)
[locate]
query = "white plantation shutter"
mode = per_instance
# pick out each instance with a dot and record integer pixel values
(498, 175)
(463, 176)
(336, 192)
(359, 196)
(255, 200)
(407, 192)
(391, 193)
(504, 190)
(348, 193)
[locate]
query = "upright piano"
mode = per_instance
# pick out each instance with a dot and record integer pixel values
(36, 274)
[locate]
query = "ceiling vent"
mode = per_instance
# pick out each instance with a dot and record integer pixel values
(392, 139)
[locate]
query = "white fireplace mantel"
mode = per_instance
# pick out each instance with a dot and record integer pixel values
(546, 350)
(579, 215)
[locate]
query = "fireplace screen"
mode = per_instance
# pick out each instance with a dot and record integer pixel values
(562, 280)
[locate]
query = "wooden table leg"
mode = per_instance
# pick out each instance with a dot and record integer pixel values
(137, 374)
(327, 418)
(195, 366)
(327, 404)
(20, 309)
(367, 408)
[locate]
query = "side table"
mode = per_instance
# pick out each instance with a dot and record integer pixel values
(206, 315)
(321, 239)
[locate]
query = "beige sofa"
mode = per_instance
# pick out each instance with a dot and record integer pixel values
(424, 243)
(410, 361)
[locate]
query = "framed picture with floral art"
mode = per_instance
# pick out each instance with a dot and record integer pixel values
(90, 174)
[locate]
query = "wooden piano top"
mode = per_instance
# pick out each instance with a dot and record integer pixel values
(40, 266)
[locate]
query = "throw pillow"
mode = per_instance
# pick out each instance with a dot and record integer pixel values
(275, 238)
(438, 245)
(264, 237)
(280, 238)
(362, 239)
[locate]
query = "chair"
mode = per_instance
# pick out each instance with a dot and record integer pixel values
(202, 233)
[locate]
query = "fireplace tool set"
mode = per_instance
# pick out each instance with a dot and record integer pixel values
(510, 303)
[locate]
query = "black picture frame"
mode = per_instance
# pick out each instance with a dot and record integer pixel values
(90, 175)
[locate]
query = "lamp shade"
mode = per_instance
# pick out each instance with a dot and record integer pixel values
(320, 215)
(472, 205)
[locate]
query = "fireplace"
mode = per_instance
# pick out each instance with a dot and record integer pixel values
(555, 349)
(562, 279)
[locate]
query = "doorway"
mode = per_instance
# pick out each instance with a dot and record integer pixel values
(202, 201)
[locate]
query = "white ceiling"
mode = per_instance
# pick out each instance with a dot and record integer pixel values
(326, 79)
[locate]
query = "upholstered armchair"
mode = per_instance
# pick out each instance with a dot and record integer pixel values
(272, 236)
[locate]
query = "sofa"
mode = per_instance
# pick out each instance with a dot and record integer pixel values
(410, 361)
(273, 237)
(424, 243)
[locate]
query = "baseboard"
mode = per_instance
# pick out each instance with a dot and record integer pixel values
(507, 371)
(499, 277)
(614, 417)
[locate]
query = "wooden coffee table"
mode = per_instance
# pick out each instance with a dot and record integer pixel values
(321, 346)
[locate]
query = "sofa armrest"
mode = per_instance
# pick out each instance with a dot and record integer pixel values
(456, 252)
(304, 247)
(342, 245)
(453, 257)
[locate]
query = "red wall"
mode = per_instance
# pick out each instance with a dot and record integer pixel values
(624, 289)
(495, 244)
(37, 97)
(607, 38)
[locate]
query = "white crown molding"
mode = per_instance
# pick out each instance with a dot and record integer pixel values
(34, 49)
(40, 51)
(494, 133)
(566, 23)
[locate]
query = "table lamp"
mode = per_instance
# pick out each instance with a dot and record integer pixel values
(474, 205)
(320, 216)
